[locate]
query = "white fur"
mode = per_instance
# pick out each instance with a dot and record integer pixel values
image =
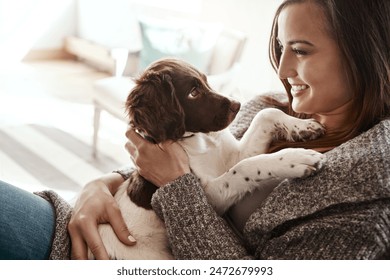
(228, 169)
(146, 228)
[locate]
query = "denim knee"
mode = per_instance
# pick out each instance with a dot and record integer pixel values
(27, 224)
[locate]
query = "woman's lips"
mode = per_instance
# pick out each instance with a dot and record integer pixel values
(297, 89)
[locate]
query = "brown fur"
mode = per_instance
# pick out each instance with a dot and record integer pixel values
(170, 98)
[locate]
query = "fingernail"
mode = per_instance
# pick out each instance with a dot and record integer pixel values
(131, 238)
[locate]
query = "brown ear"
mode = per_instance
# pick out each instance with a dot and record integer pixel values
(140, 191)
(153, 108)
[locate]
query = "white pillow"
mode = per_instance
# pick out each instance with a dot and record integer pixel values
(191, 41)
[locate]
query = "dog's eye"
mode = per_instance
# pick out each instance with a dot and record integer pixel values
(194, 92)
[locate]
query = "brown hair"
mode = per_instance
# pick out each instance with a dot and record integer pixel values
(361, 28)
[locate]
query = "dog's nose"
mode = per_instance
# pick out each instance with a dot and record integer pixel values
(235, 106)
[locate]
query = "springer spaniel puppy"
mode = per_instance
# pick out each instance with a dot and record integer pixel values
(172, 100)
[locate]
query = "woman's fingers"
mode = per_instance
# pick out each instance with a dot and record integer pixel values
(95, 244)
(79, 250)
(85, 235)
(118, 224)
(158, 163)
(96, 205)
(134, 137)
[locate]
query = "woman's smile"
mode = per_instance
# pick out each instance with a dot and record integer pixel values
(297, 90)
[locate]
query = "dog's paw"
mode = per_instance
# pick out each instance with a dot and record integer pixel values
(297, 163)
(294, 129)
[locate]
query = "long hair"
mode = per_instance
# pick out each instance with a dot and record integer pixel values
(361, 29)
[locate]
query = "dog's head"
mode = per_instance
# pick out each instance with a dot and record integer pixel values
(171, 97)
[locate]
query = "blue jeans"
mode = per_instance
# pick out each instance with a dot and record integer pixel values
(27, 224)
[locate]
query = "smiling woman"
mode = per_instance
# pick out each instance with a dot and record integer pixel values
(310, 62)
(325, 71)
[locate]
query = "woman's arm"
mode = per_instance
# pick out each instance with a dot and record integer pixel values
(194, 229)
(96, 205)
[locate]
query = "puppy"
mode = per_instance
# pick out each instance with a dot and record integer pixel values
(172, 100)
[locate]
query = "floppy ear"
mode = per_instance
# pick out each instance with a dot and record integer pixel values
(153, 108)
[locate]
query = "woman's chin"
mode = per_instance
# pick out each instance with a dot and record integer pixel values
(300, 107)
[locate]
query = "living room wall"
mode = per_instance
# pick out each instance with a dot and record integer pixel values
(254, 17)
(113, 23)
(27, 25)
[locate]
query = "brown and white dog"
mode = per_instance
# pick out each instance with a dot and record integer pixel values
(172, 100)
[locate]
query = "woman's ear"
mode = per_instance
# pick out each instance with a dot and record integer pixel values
(154, 109)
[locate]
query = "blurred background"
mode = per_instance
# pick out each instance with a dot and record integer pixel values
(66, 66)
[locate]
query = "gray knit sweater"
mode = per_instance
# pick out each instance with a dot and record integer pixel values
(342, 212)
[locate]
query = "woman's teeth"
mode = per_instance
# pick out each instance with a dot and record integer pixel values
(299, 87)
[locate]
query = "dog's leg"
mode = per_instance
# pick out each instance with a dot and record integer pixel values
(254, 172)
(272, 123)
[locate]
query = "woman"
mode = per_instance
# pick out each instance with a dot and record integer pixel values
(333, 59)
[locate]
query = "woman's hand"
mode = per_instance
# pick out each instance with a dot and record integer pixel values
(159, 164)
(96, 205)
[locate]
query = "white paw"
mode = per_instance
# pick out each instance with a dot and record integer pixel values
(297, 163)
(294, 129)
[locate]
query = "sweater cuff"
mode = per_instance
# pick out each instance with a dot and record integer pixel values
(176, 192)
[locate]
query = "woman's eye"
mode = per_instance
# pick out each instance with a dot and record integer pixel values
(299, 51)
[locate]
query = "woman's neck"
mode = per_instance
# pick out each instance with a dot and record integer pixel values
(338, 120)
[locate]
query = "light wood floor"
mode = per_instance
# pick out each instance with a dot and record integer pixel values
(37, 96)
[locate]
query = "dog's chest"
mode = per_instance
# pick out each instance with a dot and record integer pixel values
(212, 154)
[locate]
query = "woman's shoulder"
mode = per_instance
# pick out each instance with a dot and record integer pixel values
(375, 141)
(358, 169)
(371, 145)
(353, 184)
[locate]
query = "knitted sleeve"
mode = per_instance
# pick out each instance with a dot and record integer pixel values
(194, 229)
(61, 245)
(357, 231)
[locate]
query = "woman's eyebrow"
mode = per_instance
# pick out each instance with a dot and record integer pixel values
(293, 42)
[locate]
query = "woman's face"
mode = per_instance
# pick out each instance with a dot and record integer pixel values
(312, 63)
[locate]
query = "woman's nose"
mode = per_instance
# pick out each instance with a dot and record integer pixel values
(286, 67)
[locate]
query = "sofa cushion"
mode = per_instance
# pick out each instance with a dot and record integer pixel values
(188, 40)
